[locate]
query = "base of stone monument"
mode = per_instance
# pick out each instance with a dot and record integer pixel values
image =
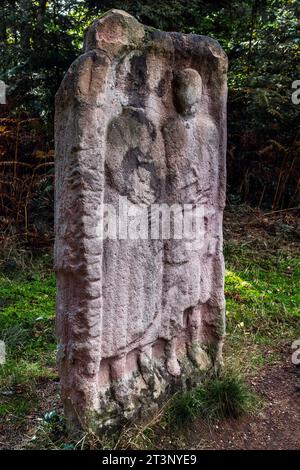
(145, 391)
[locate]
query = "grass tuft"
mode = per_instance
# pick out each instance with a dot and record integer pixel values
(223, 397)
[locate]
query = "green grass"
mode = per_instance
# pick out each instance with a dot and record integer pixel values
(27, 327)
(262, 292)
(27, 312)
(18, 407)
(220, 397)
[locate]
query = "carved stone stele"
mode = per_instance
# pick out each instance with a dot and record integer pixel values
(140, 118)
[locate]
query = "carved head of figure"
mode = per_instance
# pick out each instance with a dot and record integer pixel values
(187, 89)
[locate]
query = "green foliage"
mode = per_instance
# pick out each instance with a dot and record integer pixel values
(224, 397)
(39, 41)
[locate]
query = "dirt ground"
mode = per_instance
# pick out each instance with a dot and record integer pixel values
(275, 427)
(16, 434)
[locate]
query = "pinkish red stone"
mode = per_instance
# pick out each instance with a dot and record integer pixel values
(142, 115)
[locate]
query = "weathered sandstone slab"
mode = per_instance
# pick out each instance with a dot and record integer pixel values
(140, 122)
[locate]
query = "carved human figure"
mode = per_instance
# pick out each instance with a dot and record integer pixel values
(189, 183)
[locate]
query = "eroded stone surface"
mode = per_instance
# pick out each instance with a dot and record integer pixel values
(142, 115)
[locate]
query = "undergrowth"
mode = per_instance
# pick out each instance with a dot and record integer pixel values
(227, 396)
